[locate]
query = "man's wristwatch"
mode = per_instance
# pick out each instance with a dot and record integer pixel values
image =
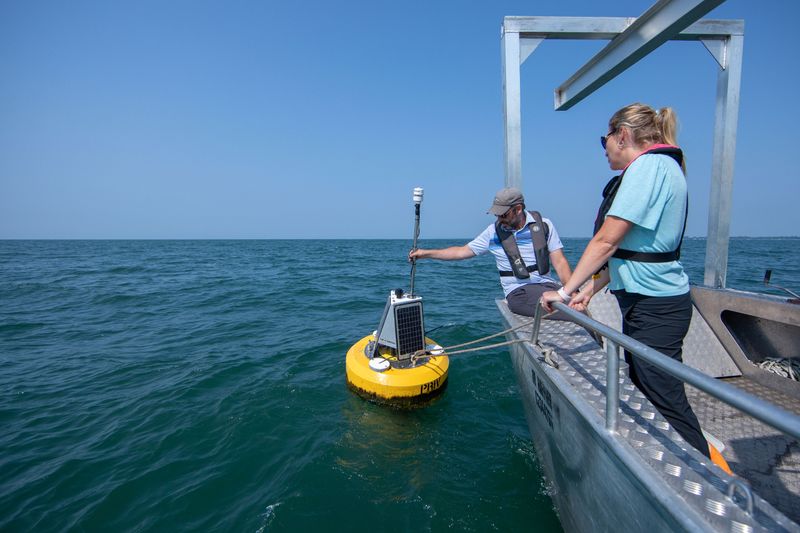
(563, 294)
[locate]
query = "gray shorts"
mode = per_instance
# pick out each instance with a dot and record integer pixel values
(523, 300)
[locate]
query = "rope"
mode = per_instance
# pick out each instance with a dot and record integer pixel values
(486, 338)
(785, 367)
(488, 346)
(447, 350)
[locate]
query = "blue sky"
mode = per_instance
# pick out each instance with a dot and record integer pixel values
(246, 119)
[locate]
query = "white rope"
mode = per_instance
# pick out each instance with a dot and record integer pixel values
(487, 347)
(486, 338)
(783, 366)
(450, 350)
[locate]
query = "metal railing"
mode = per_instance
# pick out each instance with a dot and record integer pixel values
(766, 412)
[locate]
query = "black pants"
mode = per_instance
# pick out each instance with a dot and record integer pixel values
(661, 323)
(523, 300)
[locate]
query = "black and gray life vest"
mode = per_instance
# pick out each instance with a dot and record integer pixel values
(610, 191)
(540, 233)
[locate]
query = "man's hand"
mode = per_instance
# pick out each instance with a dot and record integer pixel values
(415, 254)
(550, 297)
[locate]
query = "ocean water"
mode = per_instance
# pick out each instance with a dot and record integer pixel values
(200, 385)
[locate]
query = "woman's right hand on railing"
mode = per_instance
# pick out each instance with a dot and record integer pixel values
(580, 302)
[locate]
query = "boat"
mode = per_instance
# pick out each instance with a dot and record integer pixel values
(611, 461)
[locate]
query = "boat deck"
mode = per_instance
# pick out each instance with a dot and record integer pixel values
(764, 456)
(760, 454)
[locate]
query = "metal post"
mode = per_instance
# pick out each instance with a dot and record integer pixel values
(720, 197)
(511, 108)
(537, 323)
(612, 384)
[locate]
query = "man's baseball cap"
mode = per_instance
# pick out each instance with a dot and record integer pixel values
(504, 200)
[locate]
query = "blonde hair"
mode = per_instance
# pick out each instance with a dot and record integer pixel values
(647, 126)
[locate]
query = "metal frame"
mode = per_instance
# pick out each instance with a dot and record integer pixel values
(661, 22)
(632, 39)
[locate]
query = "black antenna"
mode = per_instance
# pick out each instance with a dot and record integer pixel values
(768, 276)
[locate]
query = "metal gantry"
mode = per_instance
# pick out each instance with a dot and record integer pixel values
(631, 39)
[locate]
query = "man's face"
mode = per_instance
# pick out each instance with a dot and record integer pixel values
(510, 219)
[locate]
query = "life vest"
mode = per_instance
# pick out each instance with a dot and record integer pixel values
(610, 191)
(540, 233)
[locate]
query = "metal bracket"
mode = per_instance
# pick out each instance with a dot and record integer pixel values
(527, 45)
(742, 485)
(548, 356)
(718, 49)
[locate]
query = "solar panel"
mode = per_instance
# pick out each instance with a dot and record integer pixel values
(402, 325)
(410, 331)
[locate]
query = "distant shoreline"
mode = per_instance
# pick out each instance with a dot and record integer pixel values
(44, 239)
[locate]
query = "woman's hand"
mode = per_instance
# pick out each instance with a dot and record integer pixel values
(580, 302)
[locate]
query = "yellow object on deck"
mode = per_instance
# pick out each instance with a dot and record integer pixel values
(422, 381)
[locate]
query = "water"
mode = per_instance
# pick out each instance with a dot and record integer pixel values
(199, 385)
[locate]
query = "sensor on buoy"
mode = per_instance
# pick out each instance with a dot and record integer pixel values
(397, 364)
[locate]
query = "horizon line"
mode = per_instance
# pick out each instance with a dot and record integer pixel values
(319, 238)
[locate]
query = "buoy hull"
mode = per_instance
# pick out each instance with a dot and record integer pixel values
(401, 386)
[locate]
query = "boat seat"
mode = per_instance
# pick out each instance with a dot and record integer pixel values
(701, 348)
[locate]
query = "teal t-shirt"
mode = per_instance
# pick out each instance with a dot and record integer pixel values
(652, 196)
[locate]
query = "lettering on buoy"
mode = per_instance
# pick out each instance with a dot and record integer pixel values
(430, 386)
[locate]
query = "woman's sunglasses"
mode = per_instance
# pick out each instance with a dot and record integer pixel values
(605, 137)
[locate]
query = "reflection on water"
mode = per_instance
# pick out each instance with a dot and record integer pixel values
(387, 448)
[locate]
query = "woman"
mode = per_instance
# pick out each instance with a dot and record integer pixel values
(639, 239)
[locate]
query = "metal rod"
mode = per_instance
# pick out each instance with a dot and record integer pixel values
(537, 323)
(414, 247)
(612, 384)
(772, 415)
(417, 202)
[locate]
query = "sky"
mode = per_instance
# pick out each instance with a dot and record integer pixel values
(310, 119)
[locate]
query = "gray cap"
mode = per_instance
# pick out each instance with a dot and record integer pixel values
(505, 199)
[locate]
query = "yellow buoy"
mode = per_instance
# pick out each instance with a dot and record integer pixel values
(398, 364)
(386, 379)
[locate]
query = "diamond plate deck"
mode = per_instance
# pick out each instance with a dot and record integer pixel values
(764, 456)
(698, 482)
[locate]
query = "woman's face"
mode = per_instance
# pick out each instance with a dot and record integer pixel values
(614, 152)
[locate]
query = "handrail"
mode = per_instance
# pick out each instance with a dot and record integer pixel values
(772, 415)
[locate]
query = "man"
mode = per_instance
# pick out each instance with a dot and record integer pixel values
(512, 240)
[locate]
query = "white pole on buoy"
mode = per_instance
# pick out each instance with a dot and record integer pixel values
(418, 192)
